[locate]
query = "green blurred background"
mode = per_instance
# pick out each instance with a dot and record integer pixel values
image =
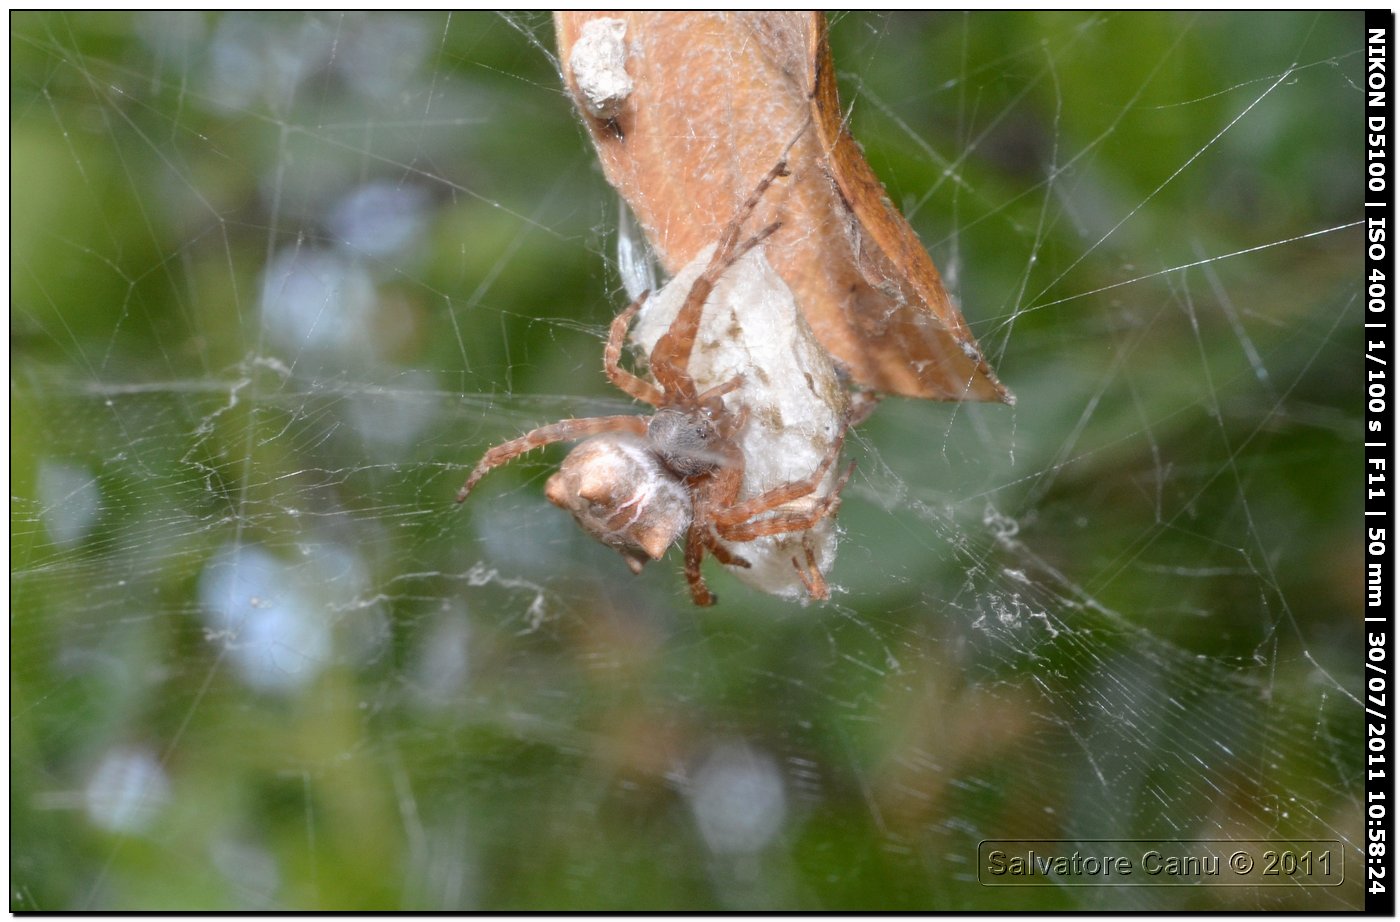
(278, 280)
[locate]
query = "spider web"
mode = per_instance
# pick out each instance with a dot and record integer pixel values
(279, 279)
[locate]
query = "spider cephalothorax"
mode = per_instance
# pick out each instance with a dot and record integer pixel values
(685, 441)
(638, 483)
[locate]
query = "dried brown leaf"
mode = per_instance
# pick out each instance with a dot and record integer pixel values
(706, 105)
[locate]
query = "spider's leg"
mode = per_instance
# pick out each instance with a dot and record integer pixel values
(719, 390)
(784, 523)
(621, 378)
(723, 554)
(731, 235)
(810, 573)
(721, 487)
(563, 431)
(670, 357)
(694, 554)
(772, 499)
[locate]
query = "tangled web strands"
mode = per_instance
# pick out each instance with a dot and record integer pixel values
(279, 277)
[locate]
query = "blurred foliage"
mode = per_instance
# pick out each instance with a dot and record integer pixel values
(1122, 609)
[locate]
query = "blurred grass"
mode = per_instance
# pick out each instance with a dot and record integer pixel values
(1180, 580)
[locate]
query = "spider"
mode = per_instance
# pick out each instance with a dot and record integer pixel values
(638, 482)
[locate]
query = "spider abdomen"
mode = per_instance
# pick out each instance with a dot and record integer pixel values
(620, 494)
